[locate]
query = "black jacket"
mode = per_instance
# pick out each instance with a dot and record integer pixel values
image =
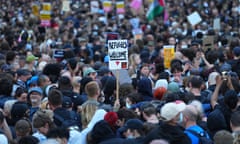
(173, 134)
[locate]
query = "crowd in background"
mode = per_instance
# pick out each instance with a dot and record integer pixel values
(56, 86)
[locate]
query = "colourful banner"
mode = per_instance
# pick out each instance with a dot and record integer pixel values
(107, 6)
(45, 14)
(120, 7)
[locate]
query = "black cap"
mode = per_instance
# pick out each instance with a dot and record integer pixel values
(23, 72)
(67, 102)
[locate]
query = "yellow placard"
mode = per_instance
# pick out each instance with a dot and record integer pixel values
(46, 6)
(168, 54)
(107, 4)
(120, 5)
(45, 17)
(35, 10)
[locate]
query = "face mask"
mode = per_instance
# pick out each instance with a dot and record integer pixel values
(130, 137)
(180, 120)
(34, 100)
(128, 106)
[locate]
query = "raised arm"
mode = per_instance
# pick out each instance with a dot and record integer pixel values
(214, 97)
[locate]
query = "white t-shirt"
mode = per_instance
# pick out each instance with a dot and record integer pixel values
(40, 136)
(3, 139)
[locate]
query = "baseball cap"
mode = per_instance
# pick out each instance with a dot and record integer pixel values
(106, 59)
(67, 102)
(33, 80)
(173, 87)
(134, 124)
(31, 58)
(35, 89)
(23, 72)
(171, 109)
(103, 70)
(88, 71)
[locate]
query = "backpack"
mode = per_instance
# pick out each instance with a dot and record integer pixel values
(67, 123)
(202, 136)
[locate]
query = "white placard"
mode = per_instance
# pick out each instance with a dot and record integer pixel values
(94, 7)
(66, 6)
(216, 24)
(118, 54)
(194, 18)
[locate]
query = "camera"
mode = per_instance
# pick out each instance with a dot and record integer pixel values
(225, 74)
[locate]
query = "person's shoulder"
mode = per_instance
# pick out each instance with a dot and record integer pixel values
(115, 141)
(196, 128)
(3, 139)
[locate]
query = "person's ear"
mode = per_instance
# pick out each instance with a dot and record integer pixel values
(119, 122)
(46, 125)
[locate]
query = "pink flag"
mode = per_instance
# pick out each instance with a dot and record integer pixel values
(136, 4)
(166, 16)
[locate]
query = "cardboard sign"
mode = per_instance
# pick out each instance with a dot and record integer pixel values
(216, 24)
(208, 43)
(66, 5)
(94, 6)
(168, 54)
(118, 54)
(194, 18)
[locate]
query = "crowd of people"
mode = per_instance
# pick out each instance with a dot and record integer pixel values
(56, 86)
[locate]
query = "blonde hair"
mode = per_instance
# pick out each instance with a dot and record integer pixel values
(8, 107)
(88, 110)
(132, 63)
(92, 88)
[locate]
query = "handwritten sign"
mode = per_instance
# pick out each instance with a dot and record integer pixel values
(208, 43)
(118, 54)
